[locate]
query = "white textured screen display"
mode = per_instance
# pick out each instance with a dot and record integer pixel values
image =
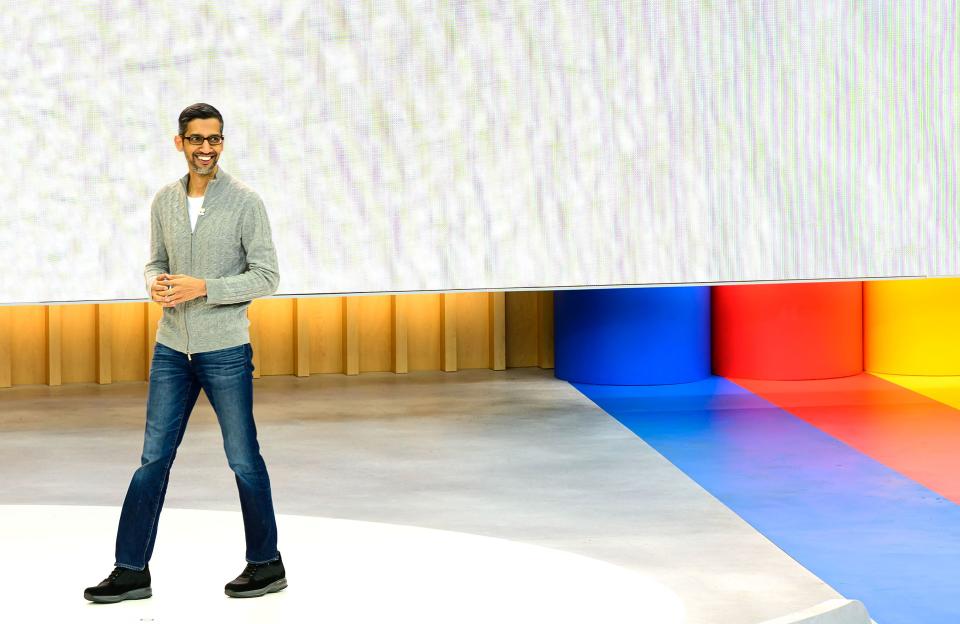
(443, 145)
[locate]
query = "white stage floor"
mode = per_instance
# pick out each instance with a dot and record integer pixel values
(513, 455)
(339, 571)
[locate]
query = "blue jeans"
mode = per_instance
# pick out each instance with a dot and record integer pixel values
(226, 376)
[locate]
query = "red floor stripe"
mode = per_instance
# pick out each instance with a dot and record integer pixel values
(908, 432)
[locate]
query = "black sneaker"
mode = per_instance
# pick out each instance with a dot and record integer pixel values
(258, 579)
(122, 584)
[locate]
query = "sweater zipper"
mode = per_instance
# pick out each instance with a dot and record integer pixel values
(186, 330)
(192, 230)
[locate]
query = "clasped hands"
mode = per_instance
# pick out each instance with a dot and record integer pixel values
(169, 290)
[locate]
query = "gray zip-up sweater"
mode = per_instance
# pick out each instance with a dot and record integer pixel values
(231, 248)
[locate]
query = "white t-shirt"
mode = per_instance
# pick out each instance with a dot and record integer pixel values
(193, 207)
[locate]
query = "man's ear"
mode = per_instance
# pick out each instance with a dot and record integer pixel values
(178, 142)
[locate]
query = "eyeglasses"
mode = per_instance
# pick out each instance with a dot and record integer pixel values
(196, 139)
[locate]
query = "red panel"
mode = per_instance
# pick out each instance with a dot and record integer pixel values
(788, 331)
(908, 432)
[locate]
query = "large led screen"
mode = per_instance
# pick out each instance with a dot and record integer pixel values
(439, 145)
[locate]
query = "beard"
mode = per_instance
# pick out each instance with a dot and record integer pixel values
(203, 169)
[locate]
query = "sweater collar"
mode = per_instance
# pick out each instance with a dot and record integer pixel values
(214, 186)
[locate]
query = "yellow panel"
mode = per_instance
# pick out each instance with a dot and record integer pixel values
(448, 332)
(28, 345)
(473, 330)
(398, 306)
(152, 315)
(79, 338)
(351, 335)
(54, 345)
(301, 339)
(545, 329)
(5, 314)
(253, 315)
(276, 336)
(325, 322)
(376, 333)
(497, 345)
(128, 356)
(423, 332)
(104, 343)
(521, 329)
(910, 327)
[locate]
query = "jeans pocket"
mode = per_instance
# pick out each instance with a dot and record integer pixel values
(228, 351)
(231, 360)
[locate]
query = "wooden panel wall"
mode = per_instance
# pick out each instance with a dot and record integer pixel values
(104, 343)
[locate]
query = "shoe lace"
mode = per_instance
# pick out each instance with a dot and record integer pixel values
(249, 570)
(115, 574)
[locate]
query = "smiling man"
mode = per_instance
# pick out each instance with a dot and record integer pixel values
(211, 253)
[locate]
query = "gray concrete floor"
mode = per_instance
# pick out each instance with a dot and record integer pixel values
(515, 454)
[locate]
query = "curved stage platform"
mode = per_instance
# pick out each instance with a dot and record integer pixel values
(339, 571)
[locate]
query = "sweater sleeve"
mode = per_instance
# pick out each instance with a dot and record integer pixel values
(262, 275)
(159, 262)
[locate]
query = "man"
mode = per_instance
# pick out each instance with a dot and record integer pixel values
(211, 253)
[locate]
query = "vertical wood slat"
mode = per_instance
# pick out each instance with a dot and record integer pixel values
(104, 342)
(255, 342)
(351, 336)
(398, 315)
(78, 340)
(473, 330)
(128, 330)
(54, 345)
(521, 329)
(6, 378)
(424, 338)
(498, 330)
(148, 338)
(375, 332)
(326, 335)
(301, 339)
(545, 329)
(276, 335)
(28, 345)
(448, 329)
(151, 318)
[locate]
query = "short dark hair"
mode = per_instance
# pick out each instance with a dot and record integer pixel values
(199, 111)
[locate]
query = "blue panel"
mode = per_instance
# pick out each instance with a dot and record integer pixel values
(868, 531)
(632, 335)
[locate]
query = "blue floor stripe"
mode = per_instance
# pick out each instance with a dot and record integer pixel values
(866, 530)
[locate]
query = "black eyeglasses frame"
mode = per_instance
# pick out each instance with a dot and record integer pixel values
(192, 139)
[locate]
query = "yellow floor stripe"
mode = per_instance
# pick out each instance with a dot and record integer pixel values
(945, 389)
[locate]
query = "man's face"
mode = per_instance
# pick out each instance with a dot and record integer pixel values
(202, 159)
